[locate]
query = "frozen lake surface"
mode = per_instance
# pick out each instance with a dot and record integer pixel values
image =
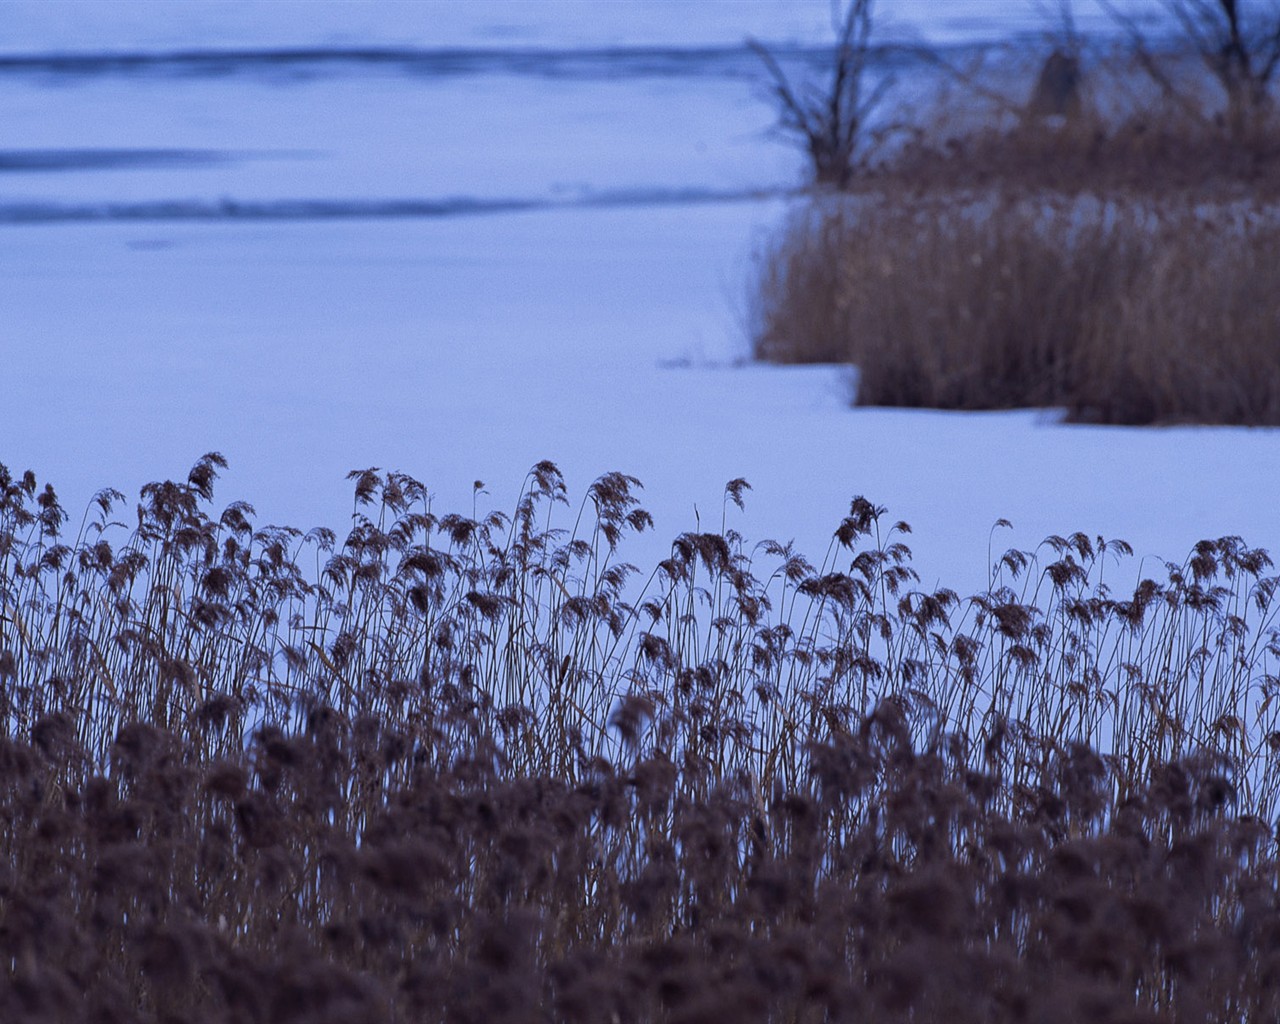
(540, 250)
(156, 25)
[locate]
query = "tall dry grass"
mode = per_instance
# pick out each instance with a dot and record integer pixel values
(459, 768)
(1120, 310)
(723, 653)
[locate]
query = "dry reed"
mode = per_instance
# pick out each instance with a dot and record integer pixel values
(470, 769)
(1121, 311)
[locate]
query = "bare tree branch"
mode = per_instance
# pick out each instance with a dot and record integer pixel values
(1241, 53)
(1147, 61)
(793, 113)
(831, 122)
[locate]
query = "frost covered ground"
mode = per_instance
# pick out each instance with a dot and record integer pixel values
(181, 296)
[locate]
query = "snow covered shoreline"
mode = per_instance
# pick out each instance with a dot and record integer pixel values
(602, 340)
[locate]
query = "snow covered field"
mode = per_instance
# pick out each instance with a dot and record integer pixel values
(459, 346)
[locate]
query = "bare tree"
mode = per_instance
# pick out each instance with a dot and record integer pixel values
(1238, 42)
(831, 122)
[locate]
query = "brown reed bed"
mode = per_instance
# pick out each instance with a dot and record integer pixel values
(1117, 260)
(466, 769)
(1117, 310)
